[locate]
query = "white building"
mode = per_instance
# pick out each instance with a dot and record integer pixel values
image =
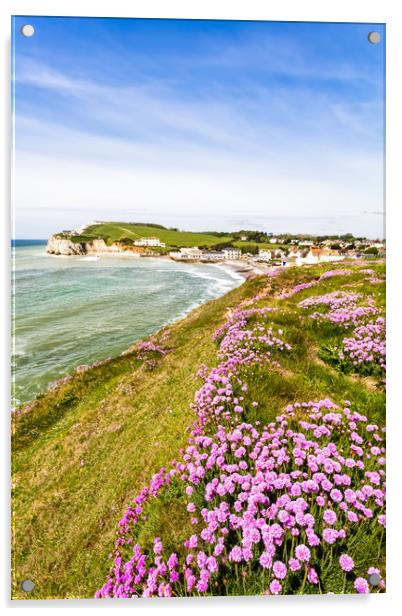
(322, 255)
(264, 255)
(195, 254)
(211, 255)
(187, 254)
(295, 257)
(231, 253)
(149, 241)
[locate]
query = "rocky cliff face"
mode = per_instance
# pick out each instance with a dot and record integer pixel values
(63, 246)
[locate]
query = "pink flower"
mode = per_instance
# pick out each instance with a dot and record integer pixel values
(352, 516)
(330, 535)
(235, 554)
(202, 586)
(265, 560)
(174, 576)
(312, 576)
(172, 561)
(212, 564)
(361, 585)
(275, 587)
(329, 516)
(346, 562)
(294, 564)
(336, 495)
(303, 553)
(157, 546)
(279, 569)
(190, 580)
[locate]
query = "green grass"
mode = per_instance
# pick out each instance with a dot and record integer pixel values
(84, 451)
(123, 421)
(246, 246)
(115, 231)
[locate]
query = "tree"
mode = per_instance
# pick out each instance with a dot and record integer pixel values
(253, 250)
(371, 251)
(222, 245)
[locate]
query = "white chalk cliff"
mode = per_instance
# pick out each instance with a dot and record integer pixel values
(57, 245)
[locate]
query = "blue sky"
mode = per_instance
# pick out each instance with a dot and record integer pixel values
(198, 124)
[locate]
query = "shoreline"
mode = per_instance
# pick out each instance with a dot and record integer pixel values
(244, 268)
(247, 269)
(244, 271)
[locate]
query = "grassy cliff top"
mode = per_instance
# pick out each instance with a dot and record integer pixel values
(122, 231)
(84, 450)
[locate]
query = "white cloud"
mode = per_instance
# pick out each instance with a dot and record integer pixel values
(153, 155)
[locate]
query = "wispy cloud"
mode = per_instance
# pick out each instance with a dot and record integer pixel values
(155, 147)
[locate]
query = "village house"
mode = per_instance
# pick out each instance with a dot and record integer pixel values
(264, 255)
(306, 243)
(231, 254)
(294, 257)
(195, 254)
(187, 254)
(322, 255)
(149, 241)
(379, 245)
(211, 255)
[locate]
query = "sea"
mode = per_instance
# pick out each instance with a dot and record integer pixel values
(68, 311)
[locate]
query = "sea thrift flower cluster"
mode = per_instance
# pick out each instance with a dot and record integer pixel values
(343, 308)
(264, 499)
(365, 348)
(149, 346)
(338, 272)
(371, 276)
(272, 273)
(243, 344)
(367, 345)
(267, 501)
(296, 289)
(307, 285)
(368, 271)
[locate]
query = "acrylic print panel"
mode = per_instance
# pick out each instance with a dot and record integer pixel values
(198, 308)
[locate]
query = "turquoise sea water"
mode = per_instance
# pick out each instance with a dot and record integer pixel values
(75, 310)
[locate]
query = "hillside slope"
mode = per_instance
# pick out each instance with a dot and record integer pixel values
(115, 232)
(82, 452)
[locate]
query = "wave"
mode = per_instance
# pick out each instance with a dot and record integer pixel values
(94, 258)
(107, 307)
(231, 272)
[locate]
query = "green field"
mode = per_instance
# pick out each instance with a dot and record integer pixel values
(84, 451)
(115, 231)
(122, 231)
